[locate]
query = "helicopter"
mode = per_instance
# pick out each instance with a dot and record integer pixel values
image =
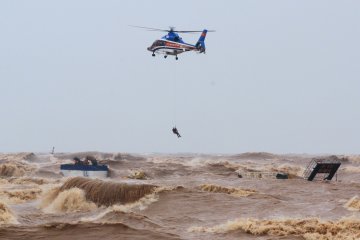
(172, 43)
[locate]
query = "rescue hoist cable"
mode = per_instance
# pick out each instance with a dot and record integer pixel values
(175, 93)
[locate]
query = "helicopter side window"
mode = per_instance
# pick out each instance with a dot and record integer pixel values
(156, 43)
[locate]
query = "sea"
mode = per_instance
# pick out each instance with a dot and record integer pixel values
(178, 196)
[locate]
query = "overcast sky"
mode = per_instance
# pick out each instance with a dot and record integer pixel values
(278, 76)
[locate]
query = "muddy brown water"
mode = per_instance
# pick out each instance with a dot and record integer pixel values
(177, 197)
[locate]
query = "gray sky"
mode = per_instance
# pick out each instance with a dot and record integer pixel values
(278, 76)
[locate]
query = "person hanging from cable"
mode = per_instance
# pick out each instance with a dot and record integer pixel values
(175, 131)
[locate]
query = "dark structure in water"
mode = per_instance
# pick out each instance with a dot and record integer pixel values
(324, 167)
(262, 175)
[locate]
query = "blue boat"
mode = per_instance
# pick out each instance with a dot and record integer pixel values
(84, 169)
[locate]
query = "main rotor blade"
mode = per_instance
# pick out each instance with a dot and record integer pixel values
(150, 29)
(171, 29)
(193, 31)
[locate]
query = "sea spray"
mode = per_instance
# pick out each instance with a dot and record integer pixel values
(70, 200)
(12, 170)
(34, 180)
(137, 174)
(48, 197)
(353, 204)
(6, 216)
(21, 195)
(229, 190)
(293, 171)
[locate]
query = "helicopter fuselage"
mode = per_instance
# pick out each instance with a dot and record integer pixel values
(168, 47)
(172, 44)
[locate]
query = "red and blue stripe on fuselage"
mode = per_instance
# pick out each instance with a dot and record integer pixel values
(170, 47)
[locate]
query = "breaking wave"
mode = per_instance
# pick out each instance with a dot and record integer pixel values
(112, 212)
(70, 200)
(80, 194)
(310, 229)
(137, 174)
(6, 216)
(12, 170)
(229, 190)
(227, 165)
(37, 181)
(108, 193)
(291, 170)
(17, 156)
(195, 162)
(28, 181)
(22, 195)
(145, 201)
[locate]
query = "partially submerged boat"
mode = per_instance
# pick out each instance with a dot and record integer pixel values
(84, 168)
(262, 175)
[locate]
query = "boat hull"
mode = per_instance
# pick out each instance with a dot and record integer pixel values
(69, 170)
